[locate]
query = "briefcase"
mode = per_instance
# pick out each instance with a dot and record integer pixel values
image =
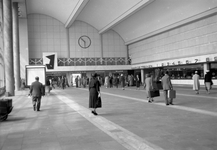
(171, 94)
(154, 93)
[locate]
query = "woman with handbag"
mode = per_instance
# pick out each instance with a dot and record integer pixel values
(94, 94)
(149, 86)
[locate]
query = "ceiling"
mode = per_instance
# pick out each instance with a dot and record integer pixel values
(131, 19)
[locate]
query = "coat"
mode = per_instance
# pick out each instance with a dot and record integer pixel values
(208, 77)
(196, 83)
(36, 89)
(94, 89)
(166, 82)
(137, 82)
(148, 85)
(122, 81)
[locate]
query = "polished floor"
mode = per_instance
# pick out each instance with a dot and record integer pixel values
(125, 122)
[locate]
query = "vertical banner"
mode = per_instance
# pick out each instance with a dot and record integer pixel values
(50, 60)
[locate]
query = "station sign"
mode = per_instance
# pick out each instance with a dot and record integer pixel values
(180, 61)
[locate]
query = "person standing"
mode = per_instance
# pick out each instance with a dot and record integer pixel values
(94, 93)
(167, 85)
(122, 81)
(196, 83)
(106, 81)
(137, 82)
(208, 81)
(111, 81)
(47, 86)
(63, 82)
(79, 81)
(148, 87)
(76, 81)
(52, 83)
(115, 81)
(84, 81)
(66, 82)
(36, 91)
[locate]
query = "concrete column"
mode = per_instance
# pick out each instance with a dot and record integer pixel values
(206, 66)
(68, 42)
(8, 47)
(16, 47)
(2, 76)
(142, 75)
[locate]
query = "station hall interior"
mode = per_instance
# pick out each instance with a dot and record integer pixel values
(77, 38)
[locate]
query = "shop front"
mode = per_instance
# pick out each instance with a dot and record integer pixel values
(181, 70)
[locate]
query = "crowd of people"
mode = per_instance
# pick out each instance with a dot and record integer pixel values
(95, 82)
(122, 81)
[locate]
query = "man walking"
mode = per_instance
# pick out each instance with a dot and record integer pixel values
(167, 85)
(36, 91)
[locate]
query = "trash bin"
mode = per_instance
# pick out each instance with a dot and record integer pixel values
(5, 108)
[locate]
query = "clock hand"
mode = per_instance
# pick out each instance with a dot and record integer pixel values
(84, 42)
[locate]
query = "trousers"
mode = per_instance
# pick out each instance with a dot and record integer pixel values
(167, 100)
(36, 102)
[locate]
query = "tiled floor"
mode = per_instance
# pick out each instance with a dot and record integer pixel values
(125, 122)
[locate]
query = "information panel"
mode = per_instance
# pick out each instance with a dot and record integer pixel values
(35, 71)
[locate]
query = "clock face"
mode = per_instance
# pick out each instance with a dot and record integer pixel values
(84, 41)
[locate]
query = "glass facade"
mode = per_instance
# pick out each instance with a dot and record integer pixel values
(185, 71)
(213, 69)
(181, 71)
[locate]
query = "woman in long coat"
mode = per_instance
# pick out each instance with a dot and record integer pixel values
(149, 86)
(94, 93)
(196, 83)
(137, 81)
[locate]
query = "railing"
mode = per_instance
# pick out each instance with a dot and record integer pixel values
(85, 61)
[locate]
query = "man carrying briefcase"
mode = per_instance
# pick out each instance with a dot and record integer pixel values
(167, 85)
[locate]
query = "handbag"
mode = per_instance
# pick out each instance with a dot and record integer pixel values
(98, 102)
(154, 93)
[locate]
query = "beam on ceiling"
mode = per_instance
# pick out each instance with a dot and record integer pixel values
(75, 12)
(125, 15)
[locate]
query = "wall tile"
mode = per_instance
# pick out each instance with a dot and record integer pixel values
(188, 39)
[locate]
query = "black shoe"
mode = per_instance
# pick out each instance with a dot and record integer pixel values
(149, 101)
(38, 109)
(171, 104)
(167, 104)
(34, 108)
(94, 113)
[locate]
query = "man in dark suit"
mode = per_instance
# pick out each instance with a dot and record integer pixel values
(36, 91)
(167, 85)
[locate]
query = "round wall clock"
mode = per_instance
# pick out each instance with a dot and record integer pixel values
(84, 41)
